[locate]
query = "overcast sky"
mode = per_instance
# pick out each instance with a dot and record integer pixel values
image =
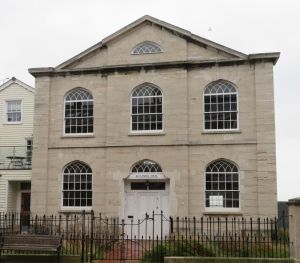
(44, 33)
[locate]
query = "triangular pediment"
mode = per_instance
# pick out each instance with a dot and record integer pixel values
(14, 81)
(178, 45)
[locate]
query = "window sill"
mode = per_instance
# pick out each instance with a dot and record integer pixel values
(229, 212)
(75, 211)
(77, 136)
(221, 131)
(13, 123)
(160, 133)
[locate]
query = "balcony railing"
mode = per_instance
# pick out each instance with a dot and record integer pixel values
(15, 157)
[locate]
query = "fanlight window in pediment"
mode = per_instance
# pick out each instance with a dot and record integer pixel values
(146, 48)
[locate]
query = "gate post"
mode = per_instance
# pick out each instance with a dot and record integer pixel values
(82, 235)
(92, 235)
(122, 248)
(294, 228)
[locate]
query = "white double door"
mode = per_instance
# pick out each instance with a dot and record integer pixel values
(143, 216)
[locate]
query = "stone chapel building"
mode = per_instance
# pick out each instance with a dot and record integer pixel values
(154, 117)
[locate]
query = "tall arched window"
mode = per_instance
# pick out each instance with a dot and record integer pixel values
(220, 106)
(146, 47)
(147, 169)
(77, 185)
(222, 185)
(146, 108)
(79, 117)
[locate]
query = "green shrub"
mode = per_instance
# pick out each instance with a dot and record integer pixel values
(177, 248)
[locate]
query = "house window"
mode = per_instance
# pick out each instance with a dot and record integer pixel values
(146, 48)
(146, 110)
(77, 185)
(13, 111)
(28, 151)
(79, 112)
(220, 106)
(222, 185)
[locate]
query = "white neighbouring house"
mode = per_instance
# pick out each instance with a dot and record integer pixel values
(16, 125)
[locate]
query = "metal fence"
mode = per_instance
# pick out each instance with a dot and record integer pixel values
(95, 237)
(15, 157)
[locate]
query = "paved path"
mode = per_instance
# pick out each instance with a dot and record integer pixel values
(133, 251)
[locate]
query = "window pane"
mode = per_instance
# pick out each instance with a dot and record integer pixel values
(77, 179)
(79, 112)
(138, 186)
(157, 186)
(13, 111)
(225, 183)
(149, 99)
(221, 98)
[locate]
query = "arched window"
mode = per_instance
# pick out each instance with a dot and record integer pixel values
(79, 117)
(222, 185)
(144, 170)
(77, 185)
(146, 48)
(220, 106)
(146, 108)
(146, 166)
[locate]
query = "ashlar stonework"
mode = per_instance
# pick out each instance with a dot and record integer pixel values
(183, 148)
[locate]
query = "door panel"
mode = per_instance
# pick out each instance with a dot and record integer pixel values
(140, 203)
(25, 211)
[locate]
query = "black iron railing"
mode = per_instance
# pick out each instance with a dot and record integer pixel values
(15, 157)
(95, 237)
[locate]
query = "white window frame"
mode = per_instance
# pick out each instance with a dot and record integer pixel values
(6, 112)
(64, 115)
(223, 209)
(75, 208)
(162, 112)
(147, 53)
(237, 108)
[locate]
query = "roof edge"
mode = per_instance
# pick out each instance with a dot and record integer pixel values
(19, 82)
(156, 21)
(271, 57)
(274, 56)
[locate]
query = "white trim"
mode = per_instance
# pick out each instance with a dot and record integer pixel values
(74, 208)
(6, 112)
(127, 185)
(127, 189)
(78, 135)
(223, 209)
(177, 30)
(147, 53)
(147, 132)
(237, 129)
(65, 135)
(16, 81)
(146, 176)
